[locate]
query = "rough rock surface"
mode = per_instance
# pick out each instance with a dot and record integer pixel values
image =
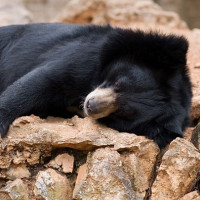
(194, 65)
(196, 136)
(117, 12)
(50, 185)
(109, 175)
(105, 179)
(63, 162)
(178, 171)
(35, 138)
(15, 190)
(13, 12)
(18, 171)
(139, 164)
(191, 196)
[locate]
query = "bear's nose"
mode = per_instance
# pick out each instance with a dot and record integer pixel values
(92, 105)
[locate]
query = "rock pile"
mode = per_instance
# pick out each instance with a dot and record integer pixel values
(117, 12)
(64, 159)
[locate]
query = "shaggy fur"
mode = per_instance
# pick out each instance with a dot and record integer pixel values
(45, 68)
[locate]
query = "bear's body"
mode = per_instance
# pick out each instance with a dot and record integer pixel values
(131, 81)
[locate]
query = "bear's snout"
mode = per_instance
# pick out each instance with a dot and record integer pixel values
(100, 103)
(92, 106)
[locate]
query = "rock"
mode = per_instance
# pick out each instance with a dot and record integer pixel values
(44, 10)
(63, 162)
(51, 185)
(30, 139)
(18, 171)
(191, 196)
(178, 171)
(188, 10)
(139, 164)
(82, 176)
(196, 106)
(5, 160)
(188, 133)
(13, 12)
(105, 178)
(193, 62)
(117, 12)
(195, 139)
(15, 190)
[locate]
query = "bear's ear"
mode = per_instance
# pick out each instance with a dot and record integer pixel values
(152, 49)
(174, 53)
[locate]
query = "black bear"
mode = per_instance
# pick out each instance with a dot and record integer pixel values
(131, 81)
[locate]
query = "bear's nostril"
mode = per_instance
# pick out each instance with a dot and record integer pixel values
(89, 110)
(90, 103)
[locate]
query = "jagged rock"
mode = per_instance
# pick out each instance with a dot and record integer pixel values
(191, 196)
(63, 162)
(5, 160)
(195, 139)
(139, 171)
(140, 166)
(178, 171)
(118, 12)
(13, 12)
(35, 138)
(51, 185)
(105, 179)
(109, 175)
(18, 171)
(15, 190)
(188, 133)
(81, 177)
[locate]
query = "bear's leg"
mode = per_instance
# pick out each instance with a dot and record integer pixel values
(34, 91)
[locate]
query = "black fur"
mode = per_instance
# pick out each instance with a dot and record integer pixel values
(46, 67)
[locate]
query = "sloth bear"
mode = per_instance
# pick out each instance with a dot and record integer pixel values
(131, 81)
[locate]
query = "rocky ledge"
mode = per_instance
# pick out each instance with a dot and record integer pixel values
(64, 159)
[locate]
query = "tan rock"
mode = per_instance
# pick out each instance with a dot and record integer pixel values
(195, 139)
(117, 12)
(82, 176)
(188, 133)
(44, 11)
(63, 162)
(178, 171)
(5, 160)
(139, 164)
(36, 137)
(193, 62)
(191, 196)
(18, 171)
(105, 178)
(13, 12)
(195, 112)
(15, 190)
(51, 185)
